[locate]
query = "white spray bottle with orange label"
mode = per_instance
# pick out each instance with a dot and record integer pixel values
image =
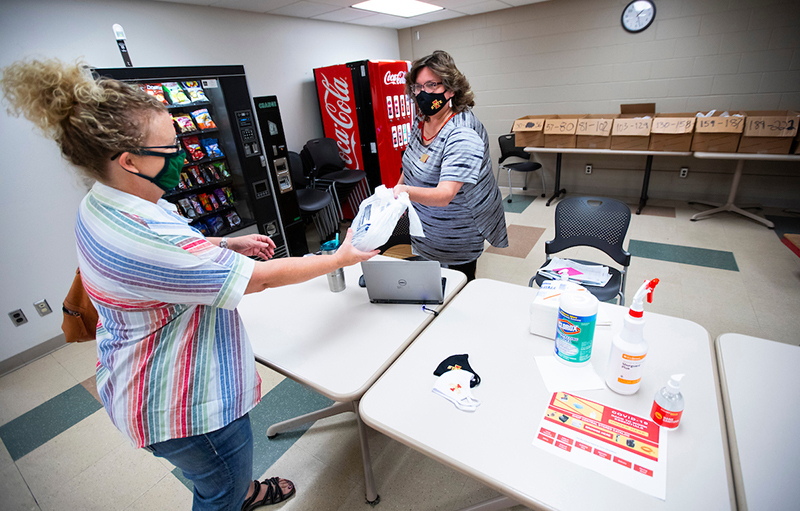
(629, 348)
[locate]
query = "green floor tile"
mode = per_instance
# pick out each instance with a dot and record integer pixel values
(35, 428)
(518, 203)
(719, 259)
(287, 400)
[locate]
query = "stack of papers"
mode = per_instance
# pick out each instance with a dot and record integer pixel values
(586, 274)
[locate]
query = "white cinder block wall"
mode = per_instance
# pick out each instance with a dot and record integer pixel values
(573, 56)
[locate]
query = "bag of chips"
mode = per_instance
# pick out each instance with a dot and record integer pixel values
(202, 227)
(198, 208)
(195, 91)
(212, 148)
(175, 94)
(193, 150)
(195, 175)
(223, 200)
(213, 172)
(184, 123)
(202, 169)
(228, 194)
(203, 119)
(233, 219)
(222, 167)
(214, 203)
(216, 224)
(187, 208)
(204, 200)
(155, 90)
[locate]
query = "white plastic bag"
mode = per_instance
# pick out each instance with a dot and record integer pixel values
(377, 217)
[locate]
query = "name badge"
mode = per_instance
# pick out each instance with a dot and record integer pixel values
(423, 158)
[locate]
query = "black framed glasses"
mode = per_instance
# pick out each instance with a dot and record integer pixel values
(144, 150)
(428, 87)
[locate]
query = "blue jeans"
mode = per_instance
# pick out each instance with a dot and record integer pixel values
(219, 463)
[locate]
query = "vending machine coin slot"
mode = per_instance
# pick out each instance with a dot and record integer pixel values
(282, 172)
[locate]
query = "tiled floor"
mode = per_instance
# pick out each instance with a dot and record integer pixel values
(87, 464)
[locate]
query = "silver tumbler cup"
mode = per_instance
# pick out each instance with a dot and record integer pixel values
(336, 277)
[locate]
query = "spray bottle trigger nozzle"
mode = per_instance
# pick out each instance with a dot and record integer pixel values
(650, 287)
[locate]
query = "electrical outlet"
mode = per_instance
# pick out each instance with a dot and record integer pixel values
(18, 317)
(684, 171)
(42, 307)
(588, 169)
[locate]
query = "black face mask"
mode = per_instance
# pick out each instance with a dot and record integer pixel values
(430, 103)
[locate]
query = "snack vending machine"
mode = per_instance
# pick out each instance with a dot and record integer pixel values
(366, 110)
(224, 185)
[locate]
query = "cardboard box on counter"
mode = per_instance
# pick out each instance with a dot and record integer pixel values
(631, 132)
(769, 131)
(559, 131)
(594, 131)
(529, 130)
(717, 134)
(672, 132)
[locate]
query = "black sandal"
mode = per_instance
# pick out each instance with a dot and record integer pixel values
(274, 494)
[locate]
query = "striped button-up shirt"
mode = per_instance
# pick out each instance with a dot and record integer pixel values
(174, 359)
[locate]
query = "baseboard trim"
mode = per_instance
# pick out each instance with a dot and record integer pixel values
(31, 354)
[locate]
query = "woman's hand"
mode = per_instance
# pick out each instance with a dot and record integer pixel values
(253, 245)
(348, 255)
(398, 189)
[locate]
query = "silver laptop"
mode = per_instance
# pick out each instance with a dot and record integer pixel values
(418, 282)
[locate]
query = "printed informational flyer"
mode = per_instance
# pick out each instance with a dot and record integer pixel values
(625, 447)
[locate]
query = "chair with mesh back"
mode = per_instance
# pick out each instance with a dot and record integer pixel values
(514, 158)
(313, 203)
(322, 156)
(596, 222)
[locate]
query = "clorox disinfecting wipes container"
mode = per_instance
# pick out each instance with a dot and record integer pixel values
(577, 315)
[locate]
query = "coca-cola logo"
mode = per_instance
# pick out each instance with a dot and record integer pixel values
(399, 78)
(339, 110)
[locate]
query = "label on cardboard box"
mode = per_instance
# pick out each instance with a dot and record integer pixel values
(632, 127)
(528, 125)
(771, 126)
(673, 125)
(560, 126)
(720, 124)
(596, 127)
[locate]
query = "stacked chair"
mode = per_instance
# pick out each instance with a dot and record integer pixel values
(318, 205)
(321, 156)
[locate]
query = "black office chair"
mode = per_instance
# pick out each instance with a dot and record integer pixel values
(596, 222)
(508, 149)
(322, 157)
(314, 204)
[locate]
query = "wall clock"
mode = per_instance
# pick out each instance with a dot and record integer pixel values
(638, 15)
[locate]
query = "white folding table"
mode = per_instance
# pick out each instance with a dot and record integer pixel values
(336, 343)
(489, 321)
(737, 175)
(761, 393)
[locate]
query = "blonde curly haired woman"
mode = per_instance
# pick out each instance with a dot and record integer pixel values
(175, 371)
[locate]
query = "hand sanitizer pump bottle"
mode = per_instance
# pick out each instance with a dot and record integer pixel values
(629, 348)
(668, 404)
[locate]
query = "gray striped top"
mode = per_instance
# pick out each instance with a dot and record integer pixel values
(454, 234)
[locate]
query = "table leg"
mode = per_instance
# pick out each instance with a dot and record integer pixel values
(730, 206)
(334, 409)
(369, 481)
(645, 184)
(558, 191)
(495, 504)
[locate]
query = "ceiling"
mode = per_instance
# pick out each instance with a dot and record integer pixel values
(340, 10)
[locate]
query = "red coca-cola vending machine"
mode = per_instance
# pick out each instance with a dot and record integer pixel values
(366, 110)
